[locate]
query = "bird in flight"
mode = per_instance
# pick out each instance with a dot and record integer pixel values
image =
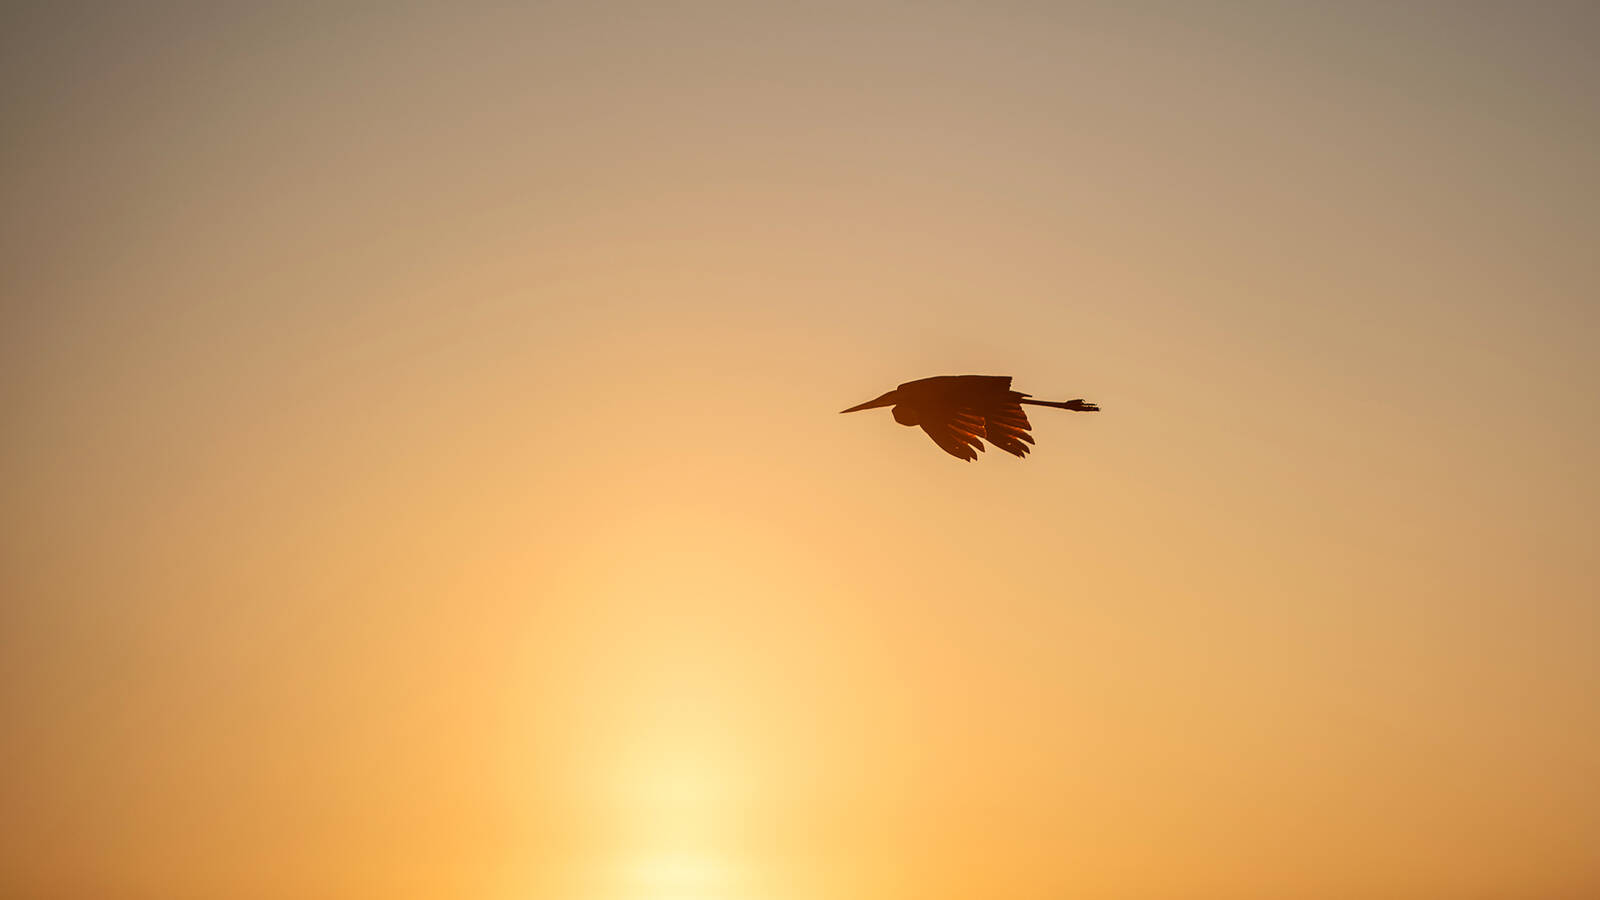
(961, 411)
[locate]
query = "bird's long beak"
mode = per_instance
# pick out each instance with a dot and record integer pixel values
(888, 399)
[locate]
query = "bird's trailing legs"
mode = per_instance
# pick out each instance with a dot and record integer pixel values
(1078, 405)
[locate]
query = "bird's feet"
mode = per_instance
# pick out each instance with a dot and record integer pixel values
(1082, 405)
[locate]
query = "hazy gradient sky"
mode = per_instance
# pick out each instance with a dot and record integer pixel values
(421, 475)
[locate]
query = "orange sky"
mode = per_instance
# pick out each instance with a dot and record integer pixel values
(422, 476)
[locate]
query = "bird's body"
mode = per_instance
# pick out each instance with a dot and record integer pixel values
(959, 412)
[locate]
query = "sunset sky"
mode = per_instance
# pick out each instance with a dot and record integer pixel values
(421, 472)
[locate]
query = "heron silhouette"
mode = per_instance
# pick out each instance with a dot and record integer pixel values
(960, 411)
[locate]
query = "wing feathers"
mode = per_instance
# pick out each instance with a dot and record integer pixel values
(997, 418)
(960, 412)
(959, 444)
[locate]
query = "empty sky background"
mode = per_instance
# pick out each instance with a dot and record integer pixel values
(421, 475)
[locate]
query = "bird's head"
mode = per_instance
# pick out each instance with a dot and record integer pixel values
(888, 399)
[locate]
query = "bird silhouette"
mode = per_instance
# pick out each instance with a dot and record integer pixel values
(960, 411)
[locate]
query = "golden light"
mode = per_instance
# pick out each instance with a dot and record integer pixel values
(423, 475)
(673, 802)
(671, 876)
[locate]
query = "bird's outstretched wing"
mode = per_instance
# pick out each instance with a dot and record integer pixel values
(960, 435)
(1006, 426)
(998, 417)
